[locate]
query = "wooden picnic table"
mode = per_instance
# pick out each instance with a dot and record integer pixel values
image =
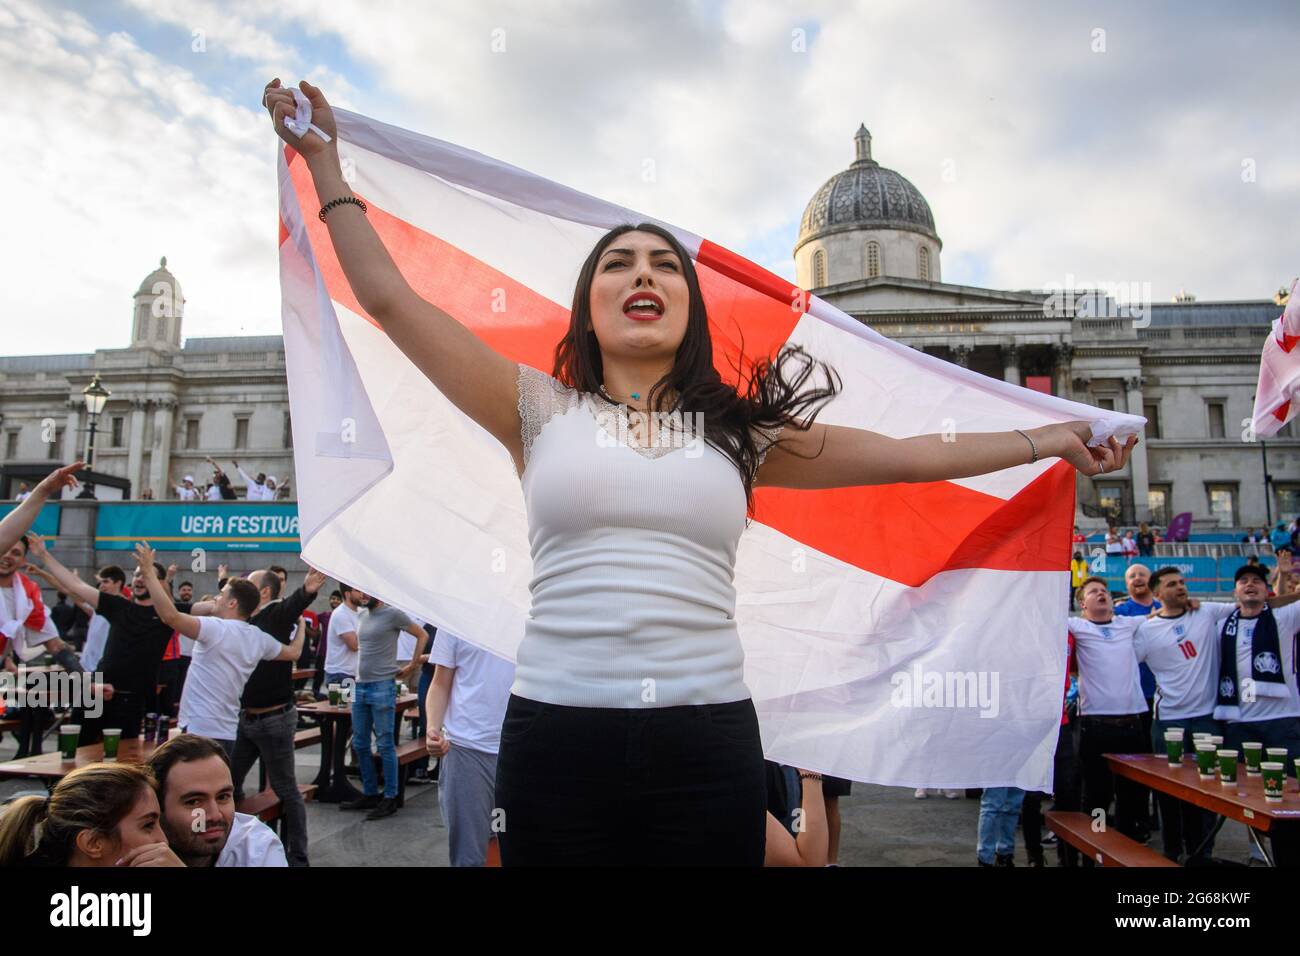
(303, 673)
(1243, 802)
(336, 727)
(51, 767)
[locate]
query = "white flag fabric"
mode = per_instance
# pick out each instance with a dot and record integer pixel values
(1277, 397)
(907, 634)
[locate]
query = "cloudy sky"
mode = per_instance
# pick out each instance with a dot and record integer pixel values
(1151, 142)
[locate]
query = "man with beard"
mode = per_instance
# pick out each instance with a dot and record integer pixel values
(197, 798)
(133, 651)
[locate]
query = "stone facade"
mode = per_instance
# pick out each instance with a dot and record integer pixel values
(1190, 367)
(170, 405)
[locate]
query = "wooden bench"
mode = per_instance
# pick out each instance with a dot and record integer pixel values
(1107, 847)
(265, 805)
(307, 737)
(10, 724)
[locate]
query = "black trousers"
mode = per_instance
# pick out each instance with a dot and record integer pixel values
(1113, 735)
(1065, 797)
(662, 786)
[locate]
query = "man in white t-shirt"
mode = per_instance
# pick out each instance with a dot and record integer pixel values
(197, 797)
(1180, 644)
(186, 491)
(226, 650)
(341, 638)
(465, 707)
(1111, 706)
(1257, 692)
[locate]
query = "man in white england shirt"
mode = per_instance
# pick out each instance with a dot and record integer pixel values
(197, 797)
(227, 649)
(1111, 706)
(1180, 644)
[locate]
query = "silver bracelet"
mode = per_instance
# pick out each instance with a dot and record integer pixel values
(1032, 447)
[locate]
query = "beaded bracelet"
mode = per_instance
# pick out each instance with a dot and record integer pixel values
(339, 202)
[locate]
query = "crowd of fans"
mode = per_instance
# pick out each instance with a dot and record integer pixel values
(221, 665)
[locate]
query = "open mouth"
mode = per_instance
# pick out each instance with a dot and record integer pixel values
(643, 306)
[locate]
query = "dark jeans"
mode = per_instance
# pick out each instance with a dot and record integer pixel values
(271, 738)
(1113, 735)
(1065, 797)
(659, 786)
(1185, 827)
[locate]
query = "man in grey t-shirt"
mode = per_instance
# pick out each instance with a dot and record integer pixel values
(374, 702)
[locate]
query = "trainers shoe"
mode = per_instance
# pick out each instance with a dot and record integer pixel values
(384, 808)
(1001, 860)
(954, 794)
(367, 802)
(419, 778)
(921, 793)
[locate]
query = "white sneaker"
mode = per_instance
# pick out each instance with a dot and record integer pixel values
(921, 793)
(954, 794)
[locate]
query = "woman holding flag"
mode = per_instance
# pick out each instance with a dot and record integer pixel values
(630, 736)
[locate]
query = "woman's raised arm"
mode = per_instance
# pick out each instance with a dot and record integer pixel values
(479, 381)
(833, 456)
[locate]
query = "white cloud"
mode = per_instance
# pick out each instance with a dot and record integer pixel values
(1123, 165)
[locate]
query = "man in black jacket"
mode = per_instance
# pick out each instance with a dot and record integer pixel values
(269, 717)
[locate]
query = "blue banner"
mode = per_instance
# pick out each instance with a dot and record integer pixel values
(1200, 573)
(216, 526)
(47, 519)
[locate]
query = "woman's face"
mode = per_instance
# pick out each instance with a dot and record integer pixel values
(140, 827)
(639, 266)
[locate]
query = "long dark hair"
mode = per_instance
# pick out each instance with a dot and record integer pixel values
(41, 831)
(774, 393)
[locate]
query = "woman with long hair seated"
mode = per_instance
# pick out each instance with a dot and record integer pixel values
(104, 814)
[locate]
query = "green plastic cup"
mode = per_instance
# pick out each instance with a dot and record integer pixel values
(336, 694)
(112, 737)
(1274, 780)
(1206, 754)
(1254, 754)
(1228, 767)
(69, 734)
(1276, 755)
(1174, 746)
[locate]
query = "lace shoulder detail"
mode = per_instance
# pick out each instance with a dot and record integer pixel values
(766, 438)
(541, 397)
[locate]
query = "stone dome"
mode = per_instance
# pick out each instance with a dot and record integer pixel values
(161, 275)
(866, 196)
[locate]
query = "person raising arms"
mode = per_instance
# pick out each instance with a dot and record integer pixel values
(630, 671)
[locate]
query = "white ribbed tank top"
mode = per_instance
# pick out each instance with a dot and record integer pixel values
(634, 552)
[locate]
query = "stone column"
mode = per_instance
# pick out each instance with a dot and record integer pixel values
(961, 355)
(1138, 460)
(1063, 354)
(1011, 364)
(74, 445)
(135, 453)
(161, 460)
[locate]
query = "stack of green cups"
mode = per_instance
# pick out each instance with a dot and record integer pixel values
(1274, 778)
(1228, 767)
(1254, 754)
(1174, 746)
(1206, 753)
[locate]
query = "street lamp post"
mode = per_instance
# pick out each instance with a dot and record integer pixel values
(96, 396)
